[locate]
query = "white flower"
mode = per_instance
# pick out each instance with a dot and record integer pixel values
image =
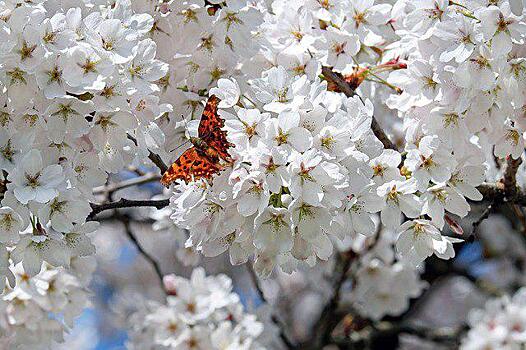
(510, 143)
(392, 199)
(420, 239)
(115, 39)
(32, 250)
(64, 210)
(501, 26)
(248, 129)
(341, 47)
(84, 68)
(286, 131)
(355, 218)
(272, 230)
(143, 70)
(32, 181)
(430, 162)
(278, 91)
(385, 167)
(439, 198)
(11, 224)
(228, 91)
(12, 148)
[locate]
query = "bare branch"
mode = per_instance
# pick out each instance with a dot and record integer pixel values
(510, 177)
(155, 158)
(496, 193)
(327, 320)
(125, 219)
(127, 203)
(140, 180)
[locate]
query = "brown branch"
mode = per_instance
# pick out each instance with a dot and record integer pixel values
(140, 180)
(127, 203)
(327, 320)
(510, 177)
(338, 80)
(155, 158)
(496, 193)
(126, 221)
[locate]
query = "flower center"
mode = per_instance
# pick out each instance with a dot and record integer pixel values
(392, 195)
(7, 222)
(513, 136)
(281, 95)
(89, 66)
(26, 51)
(327, 142)
(427, 162)
(450, 119)
(57, 206)
(32, 181)
(7, 151)
(55, 75)
(281, 138)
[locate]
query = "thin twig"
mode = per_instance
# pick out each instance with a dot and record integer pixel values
(136, 181)
(125, 219)
(155, 158)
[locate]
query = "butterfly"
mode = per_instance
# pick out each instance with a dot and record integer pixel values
(203, 160)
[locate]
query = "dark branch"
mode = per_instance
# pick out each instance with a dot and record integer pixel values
(155, 158)
(496, 194)
(327, 320)
(125, 219)
(127, 203)
(510, 177)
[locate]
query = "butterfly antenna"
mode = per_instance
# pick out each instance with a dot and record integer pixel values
(185, 131)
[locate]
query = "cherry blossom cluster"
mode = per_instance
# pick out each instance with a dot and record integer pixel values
(78, 101)
(307, 165)
(384, 285)
(300, 171)
(200, 313)
(500, 325)
(76, 82)
(463, 88)
(41, 309)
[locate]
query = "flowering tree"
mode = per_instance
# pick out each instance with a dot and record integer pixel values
(359, 144)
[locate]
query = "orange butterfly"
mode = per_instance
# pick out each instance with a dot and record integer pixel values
(203, 159)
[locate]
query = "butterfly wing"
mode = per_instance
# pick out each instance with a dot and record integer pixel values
(210, 119)
(210, 129)
(191, 165)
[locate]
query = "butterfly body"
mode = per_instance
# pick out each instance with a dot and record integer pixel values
(203, 160)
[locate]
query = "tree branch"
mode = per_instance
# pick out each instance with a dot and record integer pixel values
(327, 320)
(125, 219)
(127, 203)
(510, 177)
(155, 158)
(496, 193)
(140, 180)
